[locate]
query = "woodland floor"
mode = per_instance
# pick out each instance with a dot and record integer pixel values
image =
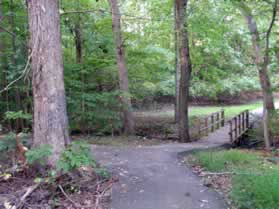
(30, 188)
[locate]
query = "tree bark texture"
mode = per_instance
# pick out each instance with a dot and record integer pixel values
(122, 70)
(50, 121)
(185, 69)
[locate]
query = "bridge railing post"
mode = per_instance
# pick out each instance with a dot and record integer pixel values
(222, 118)
(206, 126)
(218, 120)
(235, 125)
(243, 120)
(247, 118)
(239, 124)
(231, 131)
(212, 123)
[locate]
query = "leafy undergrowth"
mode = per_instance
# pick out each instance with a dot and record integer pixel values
(82, 188)
(248, 179)
(77, 181)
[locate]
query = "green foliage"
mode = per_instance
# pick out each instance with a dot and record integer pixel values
(39, 154)
(101, 113)
(224, 160)
(102, 172)
(256, 190)
(274, 123)
(10, 115)
(8, 143)
(76, 155)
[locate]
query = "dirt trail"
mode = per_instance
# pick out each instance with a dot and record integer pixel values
(152, 177)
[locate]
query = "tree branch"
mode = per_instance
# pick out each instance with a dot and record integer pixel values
(274, 13)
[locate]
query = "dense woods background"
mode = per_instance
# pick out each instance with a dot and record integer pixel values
(220, 43)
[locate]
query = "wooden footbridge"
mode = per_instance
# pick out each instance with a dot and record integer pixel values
(235, 127)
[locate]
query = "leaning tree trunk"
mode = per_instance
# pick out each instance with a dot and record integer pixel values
(122, 71)
(50, 116)
(262, 62)
(185, 69)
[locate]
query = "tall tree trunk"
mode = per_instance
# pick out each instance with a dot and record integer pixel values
(266, 81)
(177, 68)
(19, 121)
(2, 71)
(50, 116)
(262, 62)
(185, 69)
(122, 71)
(79, 60)
(78, 42)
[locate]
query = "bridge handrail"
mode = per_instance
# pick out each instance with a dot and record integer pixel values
(239, 125)
(211, 122)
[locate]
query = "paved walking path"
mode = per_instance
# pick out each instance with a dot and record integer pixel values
(152, 177)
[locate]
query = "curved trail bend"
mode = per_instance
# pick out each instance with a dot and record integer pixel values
(152, 177)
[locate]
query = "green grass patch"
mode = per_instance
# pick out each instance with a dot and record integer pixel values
(255, 181)
(217, 161)
(256, 190)
(198, 111)
(230, 111)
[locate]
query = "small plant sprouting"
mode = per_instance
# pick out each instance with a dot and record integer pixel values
(39, 154)
(76, 155)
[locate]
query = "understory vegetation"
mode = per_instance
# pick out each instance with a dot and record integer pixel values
(26, 181)
(254, 175)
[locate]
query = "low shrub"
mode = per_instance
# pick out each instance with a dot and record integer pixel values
(39, 154)
(76, 155)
